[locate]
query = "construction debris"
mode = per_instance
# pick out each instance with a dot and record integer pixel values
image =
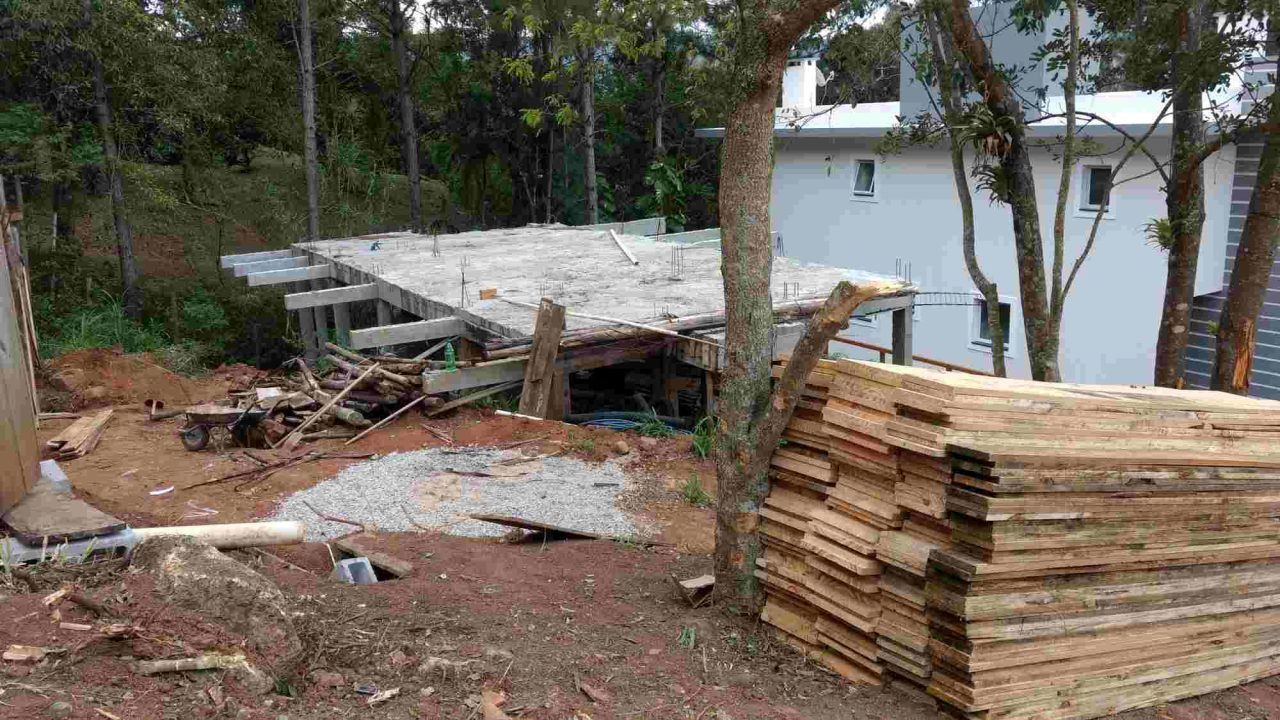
(81, 437)
(1025, 550)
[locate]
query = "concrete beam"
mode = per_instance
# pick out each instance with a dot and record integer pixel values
(243, 269)
(276, 277)
(406, 332)
(644, 226)
(693, 236)
(332, 296)
(510, 369)
(228, 261)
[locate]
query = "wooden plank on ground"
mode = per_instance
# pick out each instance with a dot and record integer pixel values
(57, 516)
(406, 332)
(354, 546)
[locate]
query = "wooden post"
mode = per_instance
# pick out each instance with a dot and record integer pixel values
(709, 392)
(536, 398)
(902, 350)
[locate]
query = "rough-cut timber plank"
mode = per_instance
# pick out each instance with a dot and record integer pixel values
(277, 277)
(499, 371)
(229, 261)
(355, 547)
(332, 296)
(268, 265)
(540, 372)
(407, 332)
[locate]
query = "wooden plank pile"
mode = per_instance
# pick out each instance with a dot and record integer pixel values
(801, 477)
(80, 437)
(1029, 550)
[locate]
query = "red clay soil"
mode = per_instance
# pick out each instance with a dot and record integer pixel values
(547, 623)
(102, 377)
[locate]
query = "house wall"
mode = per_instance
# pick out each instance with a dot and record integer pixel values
(1111, 318)
(19, 451)
(1264, 377)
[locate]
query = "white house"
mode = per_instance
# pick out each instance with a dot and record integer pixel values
(837, 200)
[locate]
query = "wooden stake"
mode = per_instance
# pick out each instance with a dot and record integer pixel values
(388, 419)
(539, 374)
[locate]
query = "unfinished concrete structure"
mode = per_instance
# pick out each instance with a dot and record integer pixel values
(482, 290)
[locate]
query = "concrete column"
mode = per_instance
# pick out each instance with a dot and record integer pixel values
(384, 318)
(306, 328)
(902, 322)
(321, 318)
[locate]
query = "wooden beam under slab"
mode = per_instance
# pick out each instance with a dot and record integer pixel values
(512, 369)
(406, 332)
(228, 261)
(332, 296)
(276, 277)
(243, 269)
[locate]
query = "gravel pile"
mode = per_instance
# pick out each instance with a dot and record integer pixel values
(385, 493)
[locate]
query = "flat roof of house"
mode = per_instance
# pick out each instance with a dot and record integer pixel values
(583, 269)
(1133, 111)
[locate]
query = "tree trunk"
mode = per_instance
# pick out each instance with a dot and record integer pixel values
(1015, 164)
(1251, 273)
(589, 140)
(659, 105)
(131, 291)
(1058, 292)
(551, 168)
(944, 53)
(408, 127)
(1184, 200)
(308, 73)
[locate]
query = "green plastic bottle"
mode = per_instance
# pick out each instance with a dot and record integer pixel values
(450, 358)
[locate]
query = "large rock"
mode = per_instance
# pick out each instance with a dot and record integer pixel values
(195, 576)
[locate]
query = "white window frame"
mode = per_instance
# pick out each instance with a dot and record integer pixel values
(874, 195)
(1082, 194)
(976, 343)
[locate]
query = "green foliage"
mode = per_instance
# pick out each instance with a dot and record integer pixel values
(704, 437)
(654, 427)
(688, 637)
(693, 493)
(101, 324)
(1159, 233)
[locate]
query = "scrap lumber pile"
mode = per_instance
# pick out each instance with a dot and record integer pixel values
(1045, 550)
(80, 437)
(294, 398)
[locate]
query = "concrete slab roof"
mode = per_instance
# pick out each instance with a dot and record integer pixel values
(582, 269)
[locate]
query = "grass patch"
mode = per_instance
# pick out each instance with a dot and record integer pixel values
(654, 427)
(704, 437)
(693, 493)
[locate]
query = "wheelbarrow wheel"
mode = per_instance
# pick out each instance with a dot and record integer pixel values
(195, 438)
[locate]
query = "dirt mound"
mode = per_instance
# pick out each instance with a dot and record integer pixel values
(102, 376)
(195, 576)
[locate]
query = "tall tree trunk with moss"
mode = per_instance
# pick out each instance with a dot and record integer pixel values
(588, 95)
(398, 15)
(1185, 197)
(309, 159)
(1251, 273)
(130, 276)
(751, 413)
(944, 57)
(1019, 191)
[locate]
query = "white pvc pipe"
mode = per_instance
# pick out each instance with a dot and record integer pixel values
(233, 535)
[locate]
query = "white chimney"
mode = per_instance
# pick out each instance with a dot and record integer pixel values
(800, 83)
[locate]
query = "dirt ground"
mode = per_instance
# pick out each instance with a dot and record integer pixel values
(582, 630)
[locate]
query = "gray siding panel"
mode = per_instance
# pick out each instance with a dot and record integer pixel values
(1264, 380)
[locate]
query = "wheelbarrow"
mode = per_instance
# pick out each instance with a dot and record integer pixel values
(221, 424)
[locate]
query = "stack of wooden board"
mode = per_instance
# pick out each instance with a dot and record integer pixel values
(801, 476)
(81, 437)
(1083, 583)
(1034, 550)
